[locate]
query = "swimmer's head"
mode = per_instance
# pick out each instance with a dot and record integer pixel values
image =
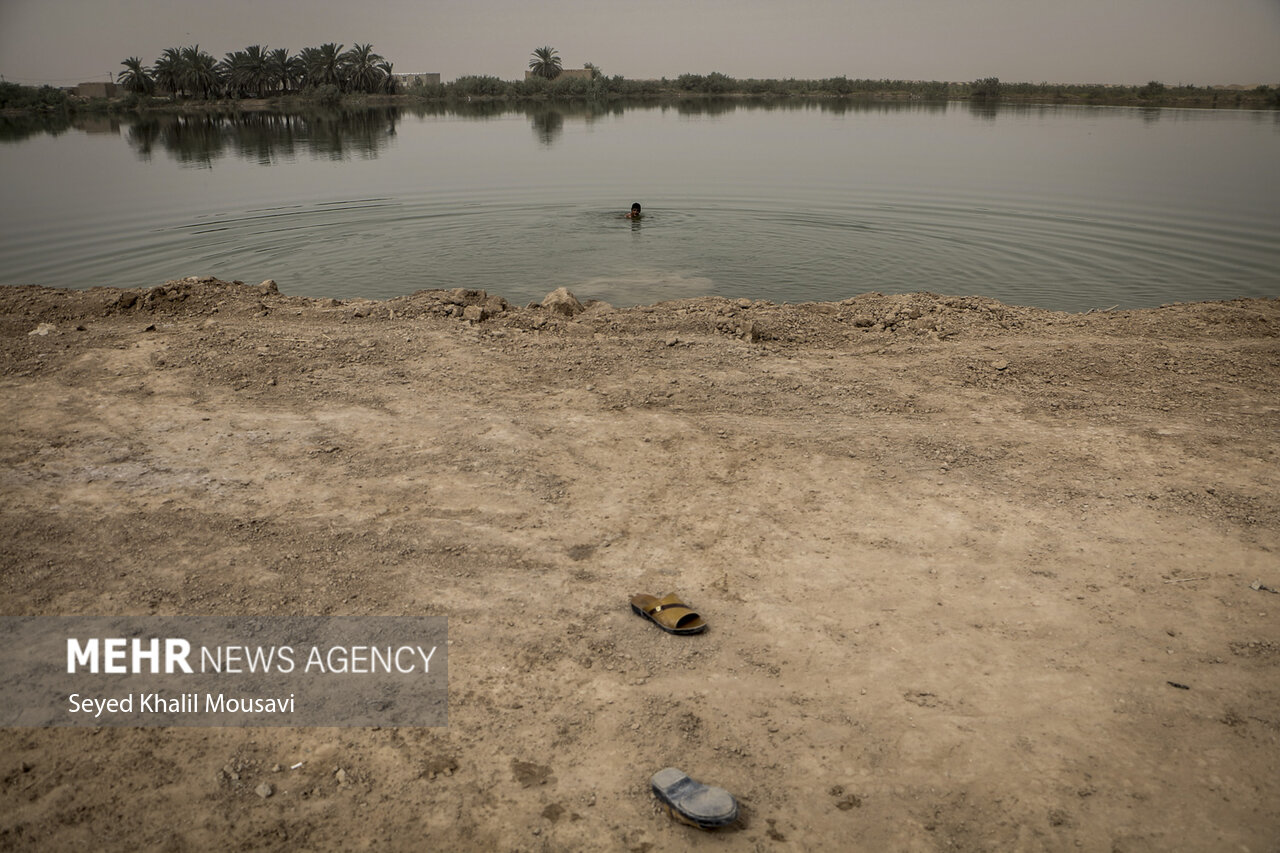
(635, 207)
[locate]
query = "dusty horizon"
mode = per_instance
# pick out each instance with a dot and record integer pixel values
(66, 42)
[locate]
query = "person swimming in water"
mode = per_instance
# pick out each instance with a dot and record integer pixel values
(635, 211)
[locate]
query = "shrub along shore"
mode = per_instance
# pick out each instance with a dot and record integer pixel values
(15, 98)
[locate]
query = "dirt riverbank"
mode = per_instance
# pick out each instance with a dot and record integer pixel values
(978, 577)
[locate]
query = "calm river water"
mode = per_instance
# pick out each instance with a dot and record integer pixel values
(1061, 207)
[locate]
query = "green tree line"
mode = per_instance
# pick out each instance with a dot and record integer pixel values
(327, 73)
(987, 90)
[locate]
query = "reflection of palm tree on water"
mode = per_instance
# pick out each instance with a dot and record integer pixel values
(548, 125)
(262, 137)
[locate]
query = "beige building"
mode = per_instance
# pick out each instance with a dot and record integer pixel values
(95, 90)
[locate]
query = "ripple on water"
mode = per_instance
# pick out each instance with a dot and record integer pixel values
(892, 202)
(1047, 253)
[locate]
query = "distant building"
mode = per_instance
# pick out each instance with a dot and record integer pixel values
(95, 90)
(566, 74)
(417, 79)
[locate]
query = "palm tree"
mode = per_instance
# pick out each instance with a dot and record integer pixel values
(135, 77)
(360, 68)
(389, 82)
(201, 71)
(253, 71)
(283, 70)
(246, 72)
(169, 71)
(545, 63)
(307, 56)
(232, 69)
(322, 64)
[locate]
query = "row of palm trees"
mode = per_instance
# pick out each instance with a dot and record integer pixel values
(258, 71)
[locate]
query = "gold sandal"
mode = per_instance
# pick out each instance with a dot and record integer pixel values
(670, 614)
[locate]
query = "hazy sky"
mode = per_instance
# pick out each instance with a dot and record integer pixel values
(1205, 42)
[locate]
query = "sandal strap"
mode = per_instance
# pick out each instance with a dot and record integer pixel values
(660, 607)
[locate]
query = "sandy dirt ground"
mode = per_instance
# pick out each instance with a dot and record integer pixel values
(978, 577)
